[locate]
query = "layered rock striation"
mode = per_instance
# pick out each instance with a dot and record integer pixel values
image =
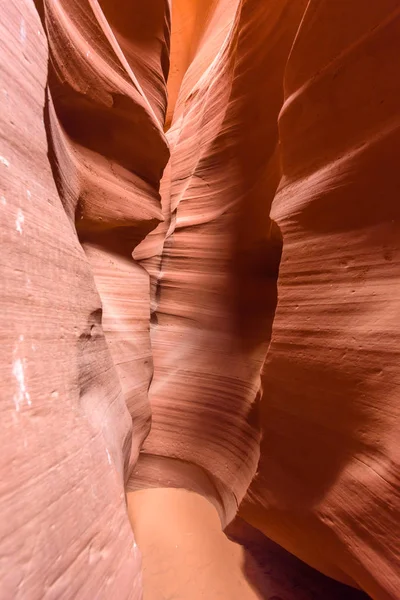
(200, 280)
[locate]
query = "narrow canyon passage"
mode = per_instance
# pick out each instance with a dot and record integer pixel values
(200, 299)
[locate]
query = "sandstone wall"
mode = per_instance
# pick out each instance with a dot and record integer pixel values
(245, 264)
(292, 104)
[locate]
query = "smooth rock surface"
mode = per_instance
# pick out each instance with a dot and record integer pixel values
(107, 105)
(65, 428)
(295, 106)
(250, 256)
(328, 481)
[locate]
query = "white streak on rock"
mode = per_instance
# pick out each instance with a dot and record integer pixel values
(19, 221)
(22, 31)
(22, 393)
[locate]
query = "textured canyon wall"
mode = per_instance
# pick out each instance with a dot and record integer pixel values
(216, 290)
(82, 152)
(328, 482)
(107, 103)
(293, 104)
(280, 157)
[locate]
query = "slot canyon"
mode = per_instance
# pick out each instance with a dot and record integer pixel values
(200, 299)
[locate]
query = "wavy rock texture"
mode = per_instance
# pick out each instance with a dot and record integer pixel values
(65, 429)
(329, 471)
(205, 381)
(280, 156)
(301, 98)
(107, 107)
(216, 292)
(64, 518)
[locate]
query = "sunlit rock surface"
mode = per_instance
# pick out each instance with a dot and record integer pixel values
(223, 297)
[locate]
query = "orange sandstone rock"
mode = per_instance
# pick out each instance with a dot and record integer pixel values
(328, 481)
(280, 157)
(298, 108)
(65, 429)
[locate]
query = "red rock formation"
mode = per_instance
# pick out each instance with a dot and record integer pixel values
(283, 138)
(303, 98)
(109, 153)
(328, 483)
(218, 277)
(65, 511)
(65, 429)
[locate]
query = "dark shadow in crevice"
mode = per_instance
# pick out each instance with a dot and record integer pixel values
(255, 288)
(275, 574)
